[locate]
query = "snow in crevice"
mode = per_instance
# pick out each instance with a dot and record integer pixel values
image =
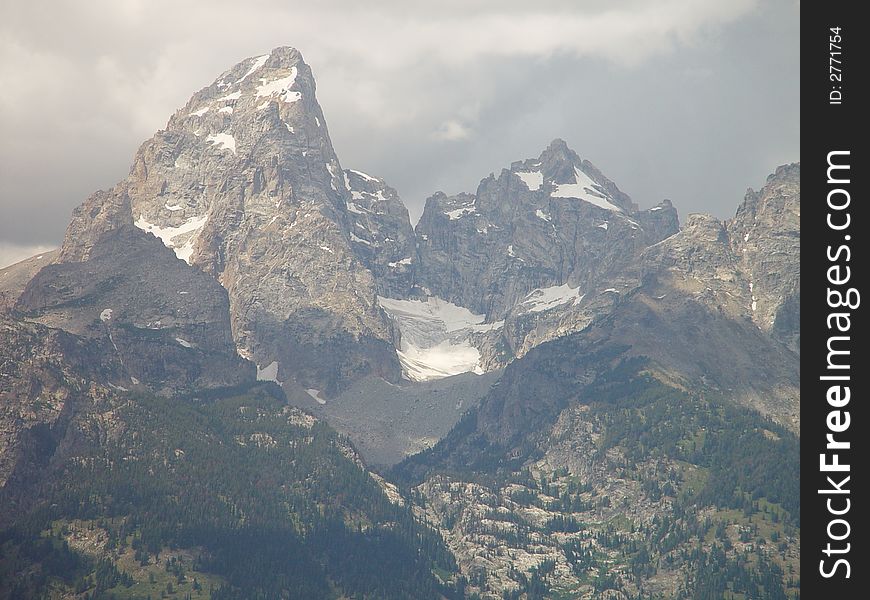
(543, 299)
(542, 215)
(233, 96)
(181, 238)
(359, 240)
(223, 140)
(365, 176)
(280, 86)
(255, 66)
(436, 337)
(533, 179)
(268, 373)
(335, 175)
(355, 208)
(584, 188)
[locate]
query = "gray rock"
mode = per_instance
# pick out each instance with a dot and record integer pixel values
(244, 184)
(159, 322)
(544, 246)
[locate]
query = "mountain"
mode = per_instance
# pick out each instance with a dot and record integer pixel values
(650, 451)
(232, 494)
(568, 397)
(161, 323)
(537, 250)
(244, 184)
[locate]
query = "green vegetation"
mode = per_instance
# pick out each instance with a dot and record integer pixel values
(260, 496)
(727, 479)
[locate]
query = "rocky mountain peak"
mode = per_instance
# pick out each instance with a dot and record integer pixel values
(765, 236)
(245, 185)
(536, 251)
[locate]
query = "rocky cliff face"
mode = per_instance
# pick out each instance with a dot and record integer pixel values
(538, 249)
(694, 304)
(160, 322)
(765, 235)
(583, 440)
(244, 184)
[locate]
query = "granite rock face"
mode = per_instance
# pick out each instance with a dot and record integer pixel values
(244, 184)
(162, 323)
(381, 233)
(544, 246)
(765, 235)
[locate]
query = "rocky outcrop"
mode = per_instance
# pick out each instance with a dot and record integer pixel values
(381, 233)
(14, 278)
(765, 235)
(544, 246)
(160, 322)
(44, 374)
(244, 184)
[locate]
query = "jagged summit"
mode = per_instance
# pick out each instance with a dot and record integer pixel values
(244, 184)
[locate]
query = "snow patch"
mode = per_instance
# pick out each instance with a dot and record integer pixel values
(106, 315)
(200, 112)
(365, 176)
(404, 261)
(223, 140)
(353, 207)
(335, 173)
(460, 212)
(603, 226)
(359, 240)
(172, 207)
(233, 96)
(533, 179)
(255, 66)
(184, 342)
(584, 188)
(316, 395)
(280, 86)
(180, 239)
(439, 361)
(542, 215)
(226, 110)
(268, 373)
(542, 299)
(655, 208)
(436, 337)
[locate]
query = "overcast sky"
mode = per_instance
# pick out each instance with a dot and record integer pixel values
(692, 100)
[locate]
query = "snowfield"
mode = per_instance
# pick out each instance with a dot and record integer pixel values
(436, 337)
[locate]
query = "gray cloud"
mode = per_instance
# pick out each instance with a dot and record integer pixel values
(688, 99)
